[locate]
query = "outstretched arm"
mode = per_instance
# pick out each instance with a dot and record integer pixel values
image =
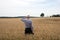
(23, 19)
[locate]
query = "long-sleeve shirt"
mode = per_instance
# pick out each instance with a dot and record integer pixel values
(27, 22)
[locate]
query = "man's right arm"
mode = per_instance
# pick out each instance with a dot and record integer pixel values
(23, 19)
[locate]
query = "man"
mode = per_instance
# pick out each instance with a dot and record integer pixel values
(28, 25)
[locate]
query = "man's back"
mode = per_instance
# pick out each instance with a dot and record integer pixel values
(27, 22)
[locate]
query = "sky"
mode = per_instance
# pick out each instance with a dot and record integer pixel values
(29, 7)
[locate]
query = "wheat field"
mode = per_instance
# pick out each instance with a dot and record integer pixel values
(44, 29)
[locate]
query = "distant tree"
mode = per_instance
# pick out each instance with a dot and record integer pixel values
(42, 15)
(56, 15)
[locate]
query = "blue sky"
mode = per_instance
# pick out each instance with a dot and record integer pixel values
(29, 7)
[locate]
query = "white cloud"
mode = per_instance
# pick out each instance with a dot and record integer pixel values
(21, 3)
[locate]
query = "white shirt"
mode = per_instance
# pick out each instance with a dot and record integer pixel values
(27, 22)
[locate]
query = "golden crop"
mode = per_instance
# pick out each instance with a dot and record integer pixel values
(44, 29)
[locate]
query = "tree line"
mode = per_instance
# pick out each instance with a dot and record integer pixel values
(57, 15)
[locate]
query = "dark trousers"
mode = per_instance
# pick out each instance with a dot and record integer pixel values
(28, 31)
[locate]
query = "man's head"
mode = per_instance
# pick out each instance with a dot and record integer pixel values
(28, 16)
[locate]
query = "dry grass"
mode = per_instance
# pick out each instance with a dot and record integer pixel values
(44, 29)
